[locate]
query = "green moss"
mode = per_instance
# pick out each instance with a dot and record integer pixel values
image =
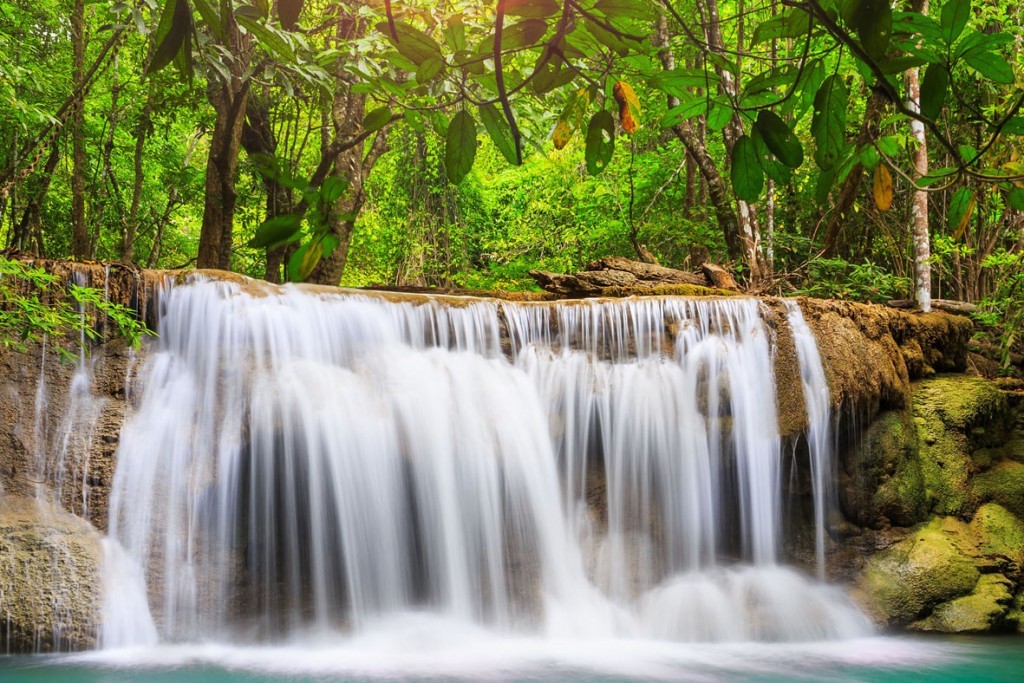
(1004, 484)
(888, 466)
(962, 402)
(985, 609)
(999, 532)
(907, 580)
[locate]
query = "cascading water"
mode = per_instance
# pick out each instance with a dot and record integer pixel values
(305, 462)
(819, 430)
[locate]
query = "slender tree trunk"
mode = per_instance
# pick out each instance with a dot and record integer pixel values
(258, 138)
(30, 220)
(749, 232)
(347, 113)
(229, 102)
(79, 234)
(131, 224)
(919, 205)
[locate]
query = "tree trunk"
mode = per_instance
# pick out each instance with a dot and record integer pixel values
(717, 192)
(919, 206)
(79, 234)
(131, 224)
(258, 138)
(746, 214)
(229, 101)
(346, 119)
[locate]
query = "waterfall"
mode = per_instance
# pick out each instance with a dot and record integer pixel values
(819, 429)
(302, 462)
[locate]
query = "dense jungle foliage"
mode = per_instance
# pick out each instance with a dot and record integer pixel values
(840, 148)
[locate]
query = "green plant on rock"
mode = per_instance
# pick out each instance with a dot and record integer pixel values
(35, 305)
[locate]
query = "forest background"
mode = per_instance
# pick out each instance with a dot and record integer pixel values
(836, 148)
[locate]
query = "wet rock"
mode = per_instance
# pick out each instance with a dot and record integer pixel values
(50, 587)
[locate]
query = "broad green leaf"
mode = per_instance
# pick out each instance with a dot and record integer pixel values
(936, 176)
(682, 112)
(413, 44)
(991, 65)
(600, 142)
(822, 188)
(630, 9)
(1014, 126)
(211, 16)
(460, 146)
(498, 129)
(779, 138)
(175, 24)
(792, 23)
(960, 208)
(523, 34)
(532, 9)
(277, 231)
(333, 188)
(268, 37)
(967, 152)
(934, 86)
(873, 21)
(828, 126)
(746, 172)
(953, 19)
(889, 145)
(454, 33)
(1015, 198)
(429, 70)
(304, 260)
(376, 119)
(719, 116)
(607, 38)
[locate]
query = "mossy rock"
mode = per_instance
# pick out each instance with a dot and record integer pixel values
(971, 405)
(904, 582)
(956, 415)
(889, 470)
(985, 609)
(1003, 484)
(999, 533)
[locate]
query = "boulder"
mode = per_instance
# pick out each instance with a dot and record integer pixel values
(50, 582)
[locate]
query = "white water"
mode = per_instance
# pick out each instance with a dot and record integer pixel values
(819, 431)
(312, 464)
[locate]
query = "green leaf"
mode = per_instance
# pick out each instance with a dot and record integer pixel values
(873, 21)
(333, 188)
(175, 24)
(1014, 126)
(532, 9)
(304, 260)
(454, 33)
(991, 65)
(268, 37)
(1016, 198)
(953, 19)
(523, 34)
(288, 12)
(746, 172)
(276, 231)
(211, 16)
(719, 116)
(460, 146)
(429, 70)
(937, 175)
(792, 23)
(960, 208)
(413, 44)
(631, 9)
(376, 119)
(826, 179)
(828, 125)
(934, 86)
(600, 142)
(779, 138)
(501, 134)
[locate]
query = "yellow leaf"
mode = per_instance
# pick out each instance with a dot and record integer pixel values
(562, 134)
(961, 228)
(882, 187)
(629, 106)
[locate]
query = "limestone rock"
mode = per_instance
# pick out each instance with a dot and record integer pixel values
(50, 584)
(985, 609)
(904, 582)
